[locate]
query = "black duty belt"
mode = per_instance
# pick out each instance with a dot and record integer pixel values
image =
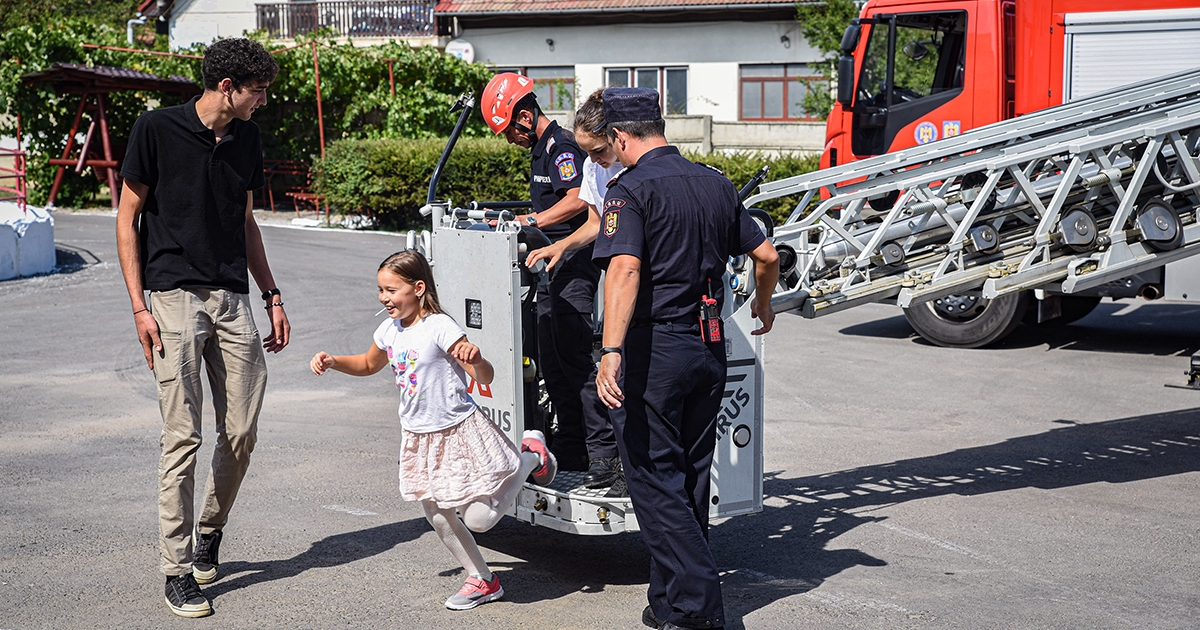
(686, 320)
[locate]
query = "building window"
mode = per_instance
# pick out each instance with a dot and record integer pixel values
(671, 84)
(554, 86)
(776, 92)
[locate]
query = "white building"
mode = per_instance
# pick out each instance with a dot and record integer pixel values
(732, 75)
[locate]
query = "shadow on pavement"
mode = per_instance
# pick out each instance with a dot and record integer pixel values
(1164, 330)
(792, 558)
(555, 564)
(328, 552)
(69, 259)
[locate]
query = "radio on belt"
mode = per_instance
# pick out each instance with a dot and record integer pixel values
(710, 318)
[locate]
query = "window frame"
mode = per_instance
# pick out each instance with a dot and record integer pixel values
(561, 83)
(661, 80)
(785, 79)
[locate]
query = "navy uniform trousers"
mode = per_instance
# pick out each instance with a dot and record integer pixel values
(565, 341)
(666, 433)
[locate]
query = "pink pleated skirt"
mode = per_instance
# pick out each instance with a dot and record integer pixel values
(462, 464)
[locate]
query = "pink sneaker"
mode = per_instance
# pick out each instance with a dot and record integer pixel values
(475, 592)
(535, 442)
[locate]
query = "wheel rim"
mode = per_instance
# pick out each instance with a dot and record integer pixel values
(958, 308)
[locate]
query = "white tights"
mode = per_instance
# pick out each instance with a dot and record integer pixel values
(479, 516)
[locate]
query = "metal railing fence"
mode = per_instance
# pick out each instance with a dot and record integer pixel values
(351, 18)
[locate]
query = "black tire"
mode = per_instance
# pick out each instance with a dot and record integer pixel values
(963, 321)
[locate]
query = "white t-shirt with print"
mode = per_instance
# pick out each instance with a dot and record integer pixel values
(433, 386)
(595, 182)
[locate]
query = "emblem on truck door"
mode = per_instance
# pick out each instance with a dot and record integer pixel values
(925, 133)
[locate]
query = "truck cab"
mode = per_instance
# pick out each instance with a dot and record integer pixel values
(913, 72)
(905, 76)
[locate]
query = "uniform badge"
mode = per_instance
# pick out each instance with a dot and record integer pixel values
(566, 166)
(611, 220)
(612, 216)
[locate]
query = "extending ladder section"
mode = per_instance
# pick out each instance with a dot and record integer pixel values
(1067, 198)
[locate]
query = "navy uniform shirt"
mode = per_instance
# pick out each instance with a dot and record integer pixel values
(684, 221)
(557, 164)
(193, 224)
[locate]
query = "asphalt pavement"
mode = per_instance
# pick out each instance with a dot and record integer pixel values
(1051, 482)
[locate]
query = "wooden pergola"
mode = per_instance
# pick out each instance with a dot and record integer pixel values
(93, 83)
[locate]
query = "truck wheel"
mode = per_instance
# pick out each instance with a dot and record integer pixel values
(967, 321)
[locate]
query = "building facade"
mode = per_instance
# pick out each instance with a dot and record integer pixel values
(732, 76)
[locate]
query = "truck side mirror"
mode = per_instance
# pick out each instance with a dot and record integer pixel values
(850, 37)
(845, 90)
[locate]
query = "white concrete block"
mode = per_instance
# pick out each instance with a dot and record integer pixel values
(8, 252)
(26, 241)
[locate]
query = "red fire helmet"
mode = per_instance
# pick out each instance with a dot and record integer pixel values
(500, 96)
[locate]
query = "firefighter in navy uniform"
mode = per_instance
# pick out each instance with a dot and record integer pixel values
(668, 227)
(565, 303)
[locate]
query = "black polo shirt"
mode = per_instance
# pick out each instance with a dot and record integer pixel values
(557, 168)
(193, 225)
(684, 221)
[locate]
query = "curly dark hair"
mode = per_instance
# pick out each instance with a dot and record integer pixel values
(240, 60)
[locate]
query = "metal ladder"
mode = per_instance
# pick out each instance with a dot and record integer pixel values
(1067, 198)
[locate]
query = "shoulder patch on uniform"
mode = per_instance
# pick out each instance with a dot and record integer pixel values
(566, 166)
(612, 216)
(713, 168)
(550, 144)
(614, 179)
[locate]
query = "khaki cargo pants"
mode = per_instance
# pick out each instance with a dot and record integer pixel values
(214, 326)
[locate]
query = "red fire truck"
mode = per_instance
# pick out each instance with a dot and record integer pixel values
(913, 76)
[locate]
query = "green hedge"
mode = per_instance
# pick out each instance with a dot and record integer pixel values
(390, 178)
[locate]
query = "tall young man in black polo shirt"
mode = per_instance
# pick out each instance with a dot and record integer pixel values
(565, 303)
(186, 234)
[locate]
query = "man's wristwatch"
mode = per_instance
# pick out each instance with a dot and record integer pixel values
(269, 294)
(609, 350)
(531, 220)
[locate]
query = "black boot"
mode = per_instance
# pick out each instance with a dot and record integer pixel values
(602, 472)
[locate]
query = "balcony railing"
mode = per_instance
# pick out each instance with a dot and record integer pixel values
(351, 18)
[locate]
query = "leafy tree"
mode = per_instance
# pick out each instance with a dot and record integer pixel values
(822, 25)
(356, 95)
(17, 13)
(46, 116)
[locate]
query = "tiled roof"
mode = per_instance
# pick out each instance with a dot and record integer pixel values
(153, 8)
(70, 77)
(460, 7)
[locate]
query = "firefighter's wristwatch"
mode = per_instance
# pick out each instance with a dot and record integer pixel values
(531, 220)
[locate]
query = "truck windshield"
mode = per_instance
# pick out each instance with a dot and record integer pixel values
(926, 57)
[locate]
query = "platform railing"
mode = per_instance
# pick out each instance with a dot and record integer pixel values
(351, 18)
(12, 178)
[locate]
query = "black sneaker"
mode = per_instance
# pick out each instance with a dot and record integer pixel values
(185, 597)
(650, 620)
(204, 561)
(602, 472)
(619, 488)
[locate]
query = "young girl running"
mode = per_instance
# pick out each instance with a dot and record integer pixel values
(451, 457)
